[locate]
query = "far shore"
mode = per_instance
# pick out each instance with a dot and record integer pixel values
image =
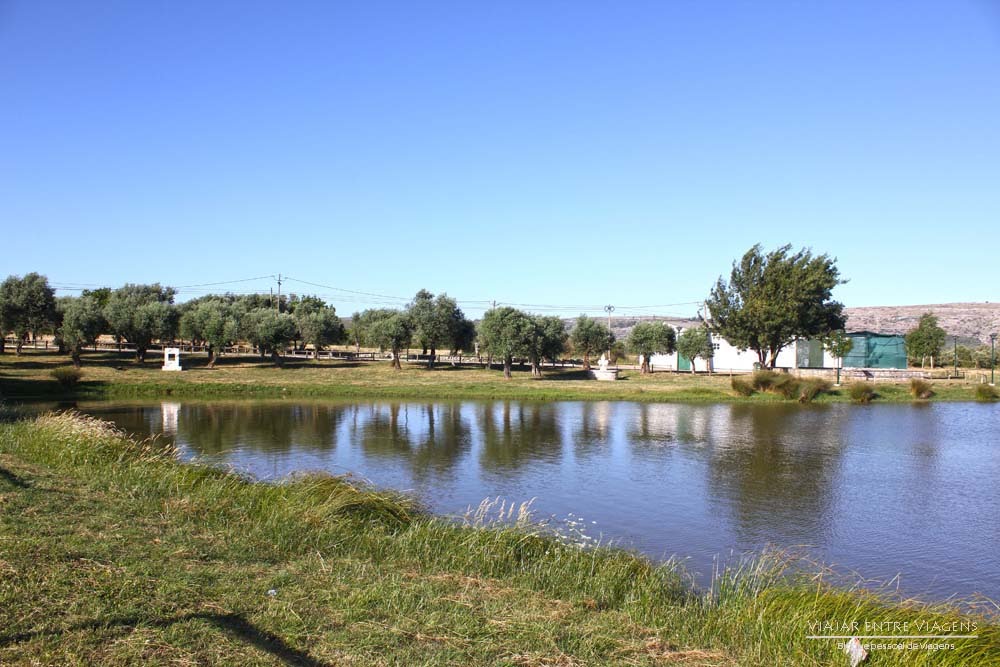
(113, 375)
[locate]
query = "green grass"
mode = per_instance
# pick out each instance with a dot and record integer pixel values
(111, 375)
(113, 553)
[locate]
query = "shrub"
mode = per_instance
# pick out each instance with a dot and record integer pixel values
(861, 392)
(741, 386)
(920, 388)
(812, 388)
(786, 385)
(66, 376)
(985, 392)
(763, 380)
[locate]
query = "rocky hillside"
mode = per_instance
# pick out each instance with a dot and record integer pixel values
(971, 322)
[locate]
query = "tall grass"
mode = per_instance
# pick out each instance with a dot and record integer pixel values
(755, 612)
(985, 392)
(921, 389)
(861, 392)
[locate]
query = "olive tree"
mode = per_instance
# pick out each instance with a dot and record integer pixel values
(82, 322)
(506, 333)
(213, 322)
(141, 314)
(695, 342)
(547, 340)
(649, 338)
(438, 323)
(590, 337)
(269, 331)
(773, 298)
(27, 306)
(387, 329)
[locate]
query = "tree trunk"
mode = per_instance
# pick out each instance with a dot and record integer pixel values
(536, 368)
(692, 365)
(431, 359)
(212, 356)
(3, 343)
(586, 361)
(507, 361)
(140, 354)
(18, 346)
(644, 368)
(75, 356)
(395, 361)
(277, 359)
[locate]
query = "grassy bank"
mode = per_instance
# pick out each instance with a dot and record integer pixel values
(114, 553)
(110, 375)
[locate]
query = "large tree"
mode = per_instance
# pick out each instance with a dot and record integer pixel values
(695, 342)
(590, 337)
(506, 333)
(771, 299)
(547, 341)
(214, 322)
(649, 338)
(438, 323)
(82, 322)
(386, 329)
(141, 314)
(319, 327)
(270, 331)
(27, 306)
(926, 339)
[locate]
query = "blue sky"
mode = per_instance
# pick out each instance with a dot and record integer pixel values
(564, 153)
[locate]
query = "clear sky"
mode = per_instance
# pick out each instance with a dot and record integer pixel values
(567, 153)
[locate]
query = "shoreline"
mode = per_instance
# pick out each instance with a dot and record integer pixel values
(113, 376)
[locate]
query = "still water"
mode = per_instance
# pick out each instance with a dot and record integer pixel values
(881, 490)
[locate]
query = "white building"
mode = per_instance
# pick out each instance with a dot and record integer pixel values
(799, 354)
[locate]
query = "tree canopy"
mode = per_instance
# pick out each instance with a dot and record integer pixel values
(695, 342)
(649, 338)
(27, 306)
(926, 339)
(547, 340)
(141, 314)
(82, 322)
(771, 299)
(590, 337)
(438, 323)
(506, 333)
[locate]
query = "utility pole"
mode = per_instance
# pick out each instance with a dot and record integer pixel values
(278, 304)
(609, 309)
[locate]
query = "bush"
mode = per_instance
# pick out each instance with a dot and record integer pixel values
(66, 376)
(763, 380)
(920, 388)
(741, 386)
(861, 392)
(985, 392)
(777, 383)
(812, 388)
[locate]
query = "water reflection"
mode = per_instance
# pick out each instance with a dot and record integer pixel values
(879, 489)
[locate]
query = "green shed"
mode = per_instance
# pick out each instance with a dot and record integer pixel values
(875, 350)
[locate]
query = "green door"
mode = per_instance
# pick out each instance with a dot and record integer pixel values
(683, 363)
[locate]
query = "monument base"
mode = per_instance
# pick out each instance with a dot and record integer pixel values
(604, 374)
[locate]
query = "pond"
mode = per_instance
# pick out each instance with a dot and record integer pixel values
(908, 493)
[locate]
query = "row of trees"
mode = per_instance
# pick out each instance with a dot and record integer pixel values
(770, 300)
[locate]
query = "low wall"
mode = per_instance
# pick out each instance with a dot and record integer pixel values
(873, 374)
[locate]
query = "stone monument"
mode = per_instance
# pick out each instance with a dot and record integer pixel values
(171, 359)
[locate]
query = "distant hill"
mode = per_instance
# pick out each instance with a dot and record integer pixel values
(971, 322)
